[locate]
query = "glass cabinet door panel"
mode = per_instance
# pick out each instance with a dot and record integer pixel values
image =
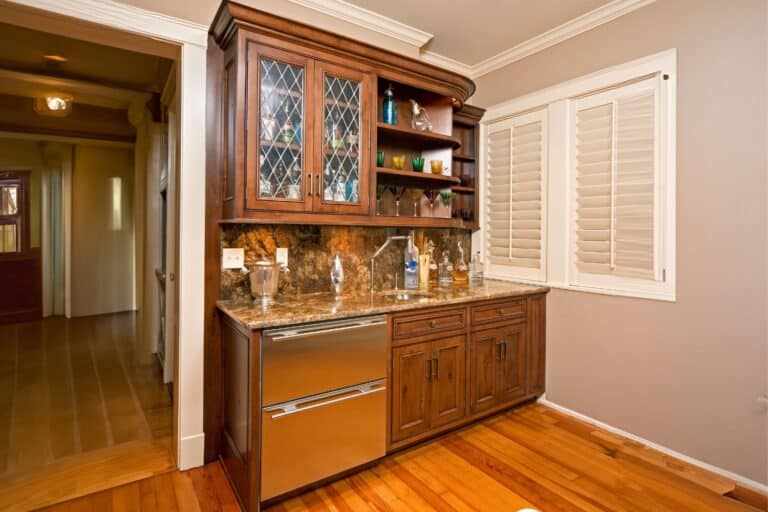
(282, 91)
(343, 129)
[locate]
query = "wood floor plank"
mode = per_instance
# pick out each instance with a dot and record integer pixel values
(126, 498)
(62, 439)
(8, 350)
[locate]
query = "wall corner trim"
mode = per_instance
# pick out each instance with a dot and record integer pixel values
(742, 480)
(191, 450)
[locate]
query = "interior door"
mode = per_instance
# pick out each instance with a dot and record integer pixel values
(448, 394)
(279, 130)
(485, 350)
(512, 370)
(342, 119)
(410, 390)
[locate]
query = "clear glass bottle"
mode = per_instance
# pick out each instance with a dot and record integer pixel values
(460, 270)
(445, 271)
(476, 269)
(411, 258)
(432, 262)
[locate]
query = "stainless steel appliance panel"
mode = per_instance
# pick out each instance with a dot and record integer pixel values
(315, 358)
(316, 437)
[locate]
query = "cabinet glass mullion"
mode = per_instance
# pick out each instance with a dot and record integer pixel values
(341, 136)
(282, 92)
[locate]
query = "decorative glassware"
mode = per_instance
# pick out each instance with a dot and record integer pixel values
(418, 164)
(433, 270)
(460, 270)
(432, 195)
(380, 158)
(445, 270)
(415, 195)
(420, 117)
(476, 267)
(380, 189)
(436, 166)
(398, 162)
(446, 196)
(397, 191)
(288, 132)
(389, 107)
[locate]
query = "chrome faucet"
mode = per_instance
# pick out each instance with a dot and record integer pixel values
(380, 250)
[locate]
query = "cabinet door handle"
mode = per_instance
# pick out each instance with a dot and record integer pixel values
(504, 351)
(498, 354)
(437, 367)
(318, 185)
(429, 369)
(311, 184)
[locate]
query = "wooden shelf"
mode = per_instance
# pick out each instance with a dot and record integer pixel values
(463, 158)
(280, 144)
(426, 140)
(352, 220)
(463, 190)
(420, 178)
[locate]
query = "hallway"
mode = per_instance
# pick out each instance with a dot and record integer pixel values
(70, 387)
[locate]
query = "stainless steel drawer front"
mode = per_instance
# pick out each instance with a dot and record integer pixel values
(318, 358)
(316, 437)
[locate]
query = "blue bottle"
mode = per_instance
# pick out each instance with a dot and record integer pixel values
(390, 106)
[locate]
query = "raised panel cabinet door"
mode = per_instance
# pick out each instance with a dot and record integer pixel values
(485, 350)
(410, 390)
(448, 394)
(513, 363)
(278, 129)
(343, 119)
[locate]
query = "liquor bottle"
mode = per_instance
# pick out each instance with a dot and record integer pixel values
(411, 258)
(460, 270)
(389, 106)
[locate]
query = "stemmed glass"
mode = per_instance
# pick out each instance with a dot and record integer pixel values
(432, 195)
(415, 194)
(397, 191)
(380, 189)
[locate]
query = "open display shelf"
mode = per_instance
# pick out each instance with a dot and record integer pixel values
(417, 179)
(426, 140)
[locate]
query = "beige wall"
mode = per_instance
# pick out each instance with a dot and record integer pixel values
(103, 266)
(26, 155)
(684, 375)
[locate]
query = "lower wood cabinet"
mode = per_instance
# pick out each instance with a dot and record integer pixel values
(428, 386)
(498, 366)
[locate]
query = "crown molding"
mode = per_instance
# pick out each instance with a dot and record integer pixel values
(370, 20)
(567, 30)
(126, 17)
(446, 63)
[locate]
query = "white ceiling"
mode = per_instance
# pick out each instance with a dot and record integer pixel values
(471, 32)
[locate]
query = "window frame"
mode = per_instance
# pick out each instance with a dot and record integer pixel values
(20, 219)
(559, 102)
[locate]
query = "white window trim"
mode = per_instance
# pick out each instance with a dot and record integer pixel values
(558, 99)
(538, 275)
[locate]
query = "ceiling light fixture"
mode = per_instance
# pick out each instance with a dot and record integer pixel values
(57, 105)
(54, 58)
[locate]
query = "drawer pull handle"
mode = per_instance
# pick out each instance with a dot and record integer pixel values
(433, 323)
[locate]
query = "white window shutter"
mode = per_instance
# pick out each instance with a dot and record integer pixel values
(515, 196)
(616, 170)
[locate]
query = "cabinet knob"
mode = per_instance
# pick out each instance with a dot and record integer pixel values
(433, 323)
(501, 312)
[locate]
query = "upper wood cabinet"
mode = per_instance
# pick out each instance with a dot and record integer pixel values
(298, 130)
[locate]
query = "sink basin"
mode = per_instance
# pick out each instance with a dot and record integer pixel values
(404, 294)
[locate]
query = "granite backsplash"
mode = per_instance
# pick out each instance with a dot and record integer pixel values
(312, 248)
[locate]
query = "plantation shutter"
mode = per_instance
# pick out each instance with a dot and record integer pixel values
(616, 168)
(515, 197)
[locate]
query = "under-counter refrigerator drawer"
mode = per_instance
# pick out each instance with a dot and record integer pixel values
(316, 437)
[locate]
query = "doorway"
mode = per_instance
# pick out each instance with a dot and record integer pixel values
(84, 384)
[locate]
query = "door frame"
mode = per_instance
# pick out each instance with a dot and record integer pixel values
(107, 22)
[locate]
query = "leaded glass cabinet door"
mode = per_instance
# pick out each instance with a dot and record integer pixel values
(278, 130)
(343, 110)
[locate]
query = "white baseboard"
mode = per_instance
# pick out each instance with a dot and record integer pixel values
(191, 451)
(741, 480)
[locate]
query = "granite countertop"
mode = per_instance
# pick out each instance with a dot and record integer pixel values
(313, 307)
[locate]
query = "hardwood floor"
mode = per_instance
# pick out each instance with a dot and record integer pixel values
(72, 390)
(532, 457)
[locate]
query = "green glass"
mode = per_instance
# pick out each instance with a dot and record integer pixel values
(418, 164)
(380, 158)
